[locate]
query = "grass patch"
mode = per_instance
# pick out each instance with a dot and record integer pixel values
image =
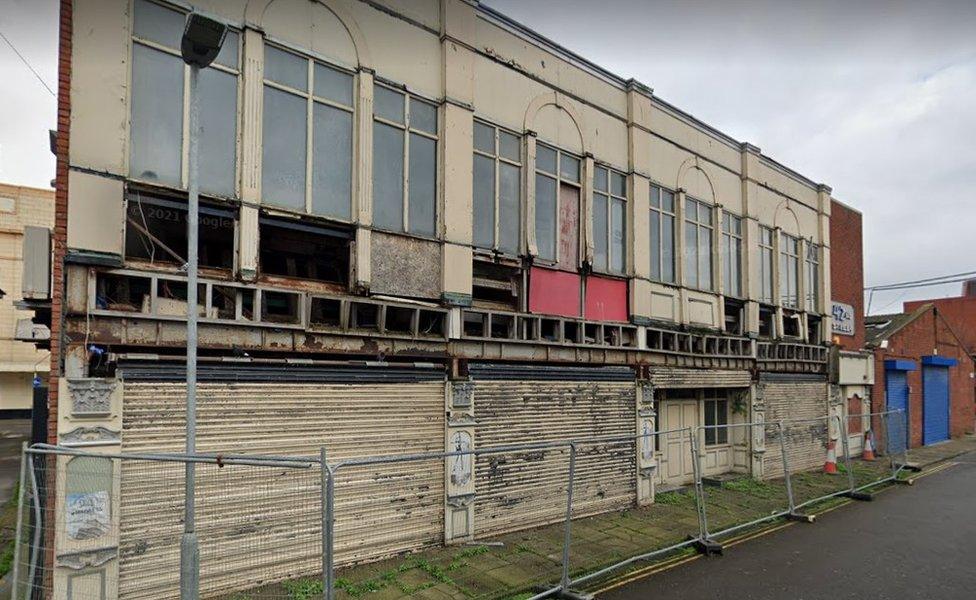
(673, 499)
(752, 487)
(7, 546)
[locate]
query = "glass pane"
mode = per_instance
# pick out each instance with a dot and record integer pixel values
(736, 225)
(667, 201)
(423, 184)
(725, 249)
(600, 250)
(784, 285)
(655, 197)
(283, 165)
(387, 177)
(600, 179)
(509, 146)
(655, 237)
(484, 138)
(617, 228)
(484, 201)
(705, 259)
(667, 249)
(156, 130)
(691, 255)
(387, 104)
(618, 184)
(705, 214)
(545, 216)
(767, 274)
(423, 116)
(766, 237)
(569, 167)
(285, 68)
(218, 119)
(333, 84)
(230, 50)
(509, 208)
(158, 24)
(691, 209)
(726, 226)
(545, 159)
(736, 261)
(331, 161)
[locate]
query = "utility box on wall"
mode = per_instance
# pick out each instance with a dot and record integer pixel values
(37, 263)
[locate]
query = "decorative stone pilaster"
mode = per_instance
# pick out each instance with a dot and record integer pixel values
(646, 458)
(758, 413)
(459, 470)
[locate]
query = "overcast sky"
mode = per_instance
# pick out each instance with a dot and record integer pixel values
(877, 99)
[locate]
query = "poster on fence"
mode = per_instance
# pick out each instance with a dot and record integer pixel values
(87, 515)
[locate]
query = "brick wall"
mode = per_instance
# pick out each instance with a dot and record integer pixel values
(960, 312)
(847, 269)
(926, 336)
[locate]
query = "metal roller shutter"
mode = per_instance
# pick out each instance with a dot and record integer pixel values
(263, 522)
(520, 491)
(802, 397)
(699, 378)
(896, 390)
(935, 404)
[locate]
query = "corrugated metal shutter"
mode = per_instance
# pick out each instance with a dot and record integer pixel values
(935, 404)
(896, 390)
(699, 378)
(806, 443)
(529, 489)
(265, 523)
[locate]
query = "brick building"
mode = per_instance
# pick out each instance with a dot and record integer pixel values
(923, 367)
(959, 312)
(853, 366)
(20, 360)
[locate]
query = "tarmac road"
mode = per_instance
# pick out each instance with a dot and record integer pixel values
(910, 542)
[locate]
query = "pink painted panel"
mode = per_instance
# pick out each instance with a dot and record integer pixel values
(554, 292)
(606, 299)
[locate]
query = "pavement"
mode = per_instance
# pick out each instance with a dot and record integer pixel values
(910, 542)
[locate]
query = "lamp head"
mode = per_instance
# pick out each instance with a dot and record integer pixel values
(202, 40)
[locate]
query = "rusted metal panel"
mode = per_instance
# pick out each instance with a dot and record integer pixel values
(405, 266)
(698, 378)
(806, 443)
(267, 521)
(517, 491)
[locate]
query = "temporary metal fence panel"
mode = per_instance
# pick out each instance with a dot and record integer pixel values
(515, 492)
(896, 391)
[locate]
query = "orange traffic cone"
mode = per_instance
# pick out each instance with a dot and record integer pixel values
(830, 467)
(868, 453)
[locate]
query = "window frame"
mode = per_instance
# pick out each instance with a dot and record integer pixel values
(812, 277)
(699, 226)
(559, 179)
(767, 265)
(786, 259)
(310, 100)
(185, 109)
(407, 130)
(711, 402)
(497, 160)
(610, 196)
(731, 265)
(660, 213)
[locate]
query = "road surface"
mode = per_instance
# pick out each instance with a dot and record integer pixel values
(910, 542)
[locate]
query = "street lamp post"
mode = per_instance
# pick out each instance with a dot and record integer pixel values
(202, 39)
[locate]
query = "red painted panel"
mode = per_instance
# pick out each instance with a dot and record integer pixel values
(606, 299)
(554, 292)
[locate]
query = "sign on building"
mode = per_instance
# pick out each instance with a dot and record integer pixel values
(843, 318)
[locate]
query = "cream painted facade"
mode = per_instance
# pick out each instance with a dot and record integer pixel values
(472, 64)
(19, 361)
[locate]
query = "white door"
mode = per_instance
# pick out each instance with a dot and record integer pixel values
(677, 468)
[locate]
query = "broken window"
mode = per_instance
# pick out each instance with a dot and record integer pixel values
(734, 311)
(404, 139)
(497, 189)
(155, 231)
(813, 329)
(557, 202)
(662, 234)
(698, 244)
(156, 144)
(791, 324)
(767, 320)
(280, 307)
(305, 250)
(496, 286)
(293, 94)
(122, 292)
(609, 209)
(732, 254)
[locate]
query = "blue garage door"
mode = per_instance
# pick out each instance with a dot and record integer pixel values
(935, 404)
(896, 386)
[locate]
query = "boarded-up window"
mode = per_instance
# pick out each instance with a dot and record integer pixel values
(606, 299)
(554, 292)
(557, 210)
(854, 409)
